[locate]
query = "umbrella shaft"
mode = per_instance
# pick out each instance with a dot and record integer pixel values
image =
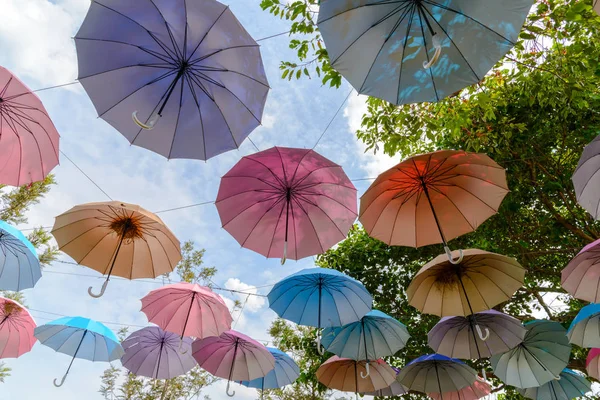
(170, 90)
(188, 315)
(76, 351)
(437, 375)
(233, 360)
(116, 253)
(421, 10)
(462, 285)
(162, 343)
(435, 217)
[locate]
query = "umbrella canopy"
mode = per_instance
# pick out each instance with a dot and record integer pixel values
(597, 6)
(287, 202)
(432, 198)
(581, 277)
(571, 385)
(456, 336)
(81, 338)
(395, 389)
(188, 310)
(19, 263)
(116, 238)
(410, 51)
(157, 354)
(285, 373)
(16, 329)
(187, 72)
(344, 374)
(28, 138)
(233, 356)
(586, 179)
(541, 357)
(435, 373)
(479, 282)
(585, 328)
(474, 392)
(592, 363)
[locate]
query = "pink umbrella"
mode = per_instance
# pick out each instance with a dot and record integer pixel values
(188, 310)
(233, 356)
(28, 138)
(592, 363)
(16, 329)
(581, 277)
(287, 201)
(474, 392)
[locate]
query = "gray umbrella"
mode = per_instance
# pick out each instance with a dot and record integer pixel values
(586, 178)
(571, 385)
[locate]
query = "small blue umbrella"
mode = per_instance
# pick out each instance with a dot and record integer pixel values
(19, 263)
(571, 385)
(286, 371)
(585, 328)
(376, 335)
(320, 297)
(80, 338)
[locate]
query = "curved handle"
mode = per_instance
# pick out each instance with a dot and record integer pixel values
(320, 348)
(480, 333)
(180, 345)
(96, 296)
(148, 125)
(438, 51)
(62, 381)
(449, 255)
(284, 258)
(484, 374)
(227, 390)
(557, 378)
(364, 376)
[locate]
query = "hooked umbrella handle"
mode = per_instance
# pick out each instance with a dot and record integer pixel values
(227, 390)
(364, 376)
(437, 44)
(284, 257)
(96, 296)
(480, 333)
(449, 255)
(320, 348)
(149, 125)
(62, 381)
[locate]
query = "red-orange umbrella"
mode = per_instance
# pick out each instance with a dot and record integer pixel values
(432, 198)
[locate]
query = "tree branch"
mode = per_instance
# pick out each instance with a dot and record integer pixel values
(540, 300)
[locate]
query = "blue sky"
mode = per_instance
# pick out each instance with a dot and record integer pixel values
(35, 38)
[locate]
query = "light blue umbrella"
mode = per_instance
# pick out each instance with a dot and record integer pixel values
(410, 51)
(376, 335)
(320, 297)
(585, 328)
(19, 263)
(286, 372)
(571, 385)
(80, 338)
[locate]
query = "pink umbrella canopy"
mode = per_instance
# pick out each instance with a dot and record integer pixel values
(188, 310)
(28, 138)
(16, 329)
(581, 277)
(474, 392)
(233, 356)
(287, 202)
(592, 363)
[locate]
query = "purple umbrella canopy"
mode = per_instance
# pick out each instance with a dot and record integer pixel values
(157, 354)
(181, 78)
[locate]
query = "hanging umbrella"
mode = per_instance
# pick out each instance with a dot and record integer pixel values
(16, 329)
(284, 201)
(432, 198)
(19, 263)
(541, 357)
(187, 72)
(376, 335)
(343, 374)
(597, 6)
(581, 277)
(395, 389)
(80, 338)
(187, 310)
(320, 297)
(285, 373)
(28, 138)
(116, 238)
(585, 179)
(156, 354)
(592, 363)
(455, 336)
(571, 385)
(476, 391)
(233, 356)
(435, 373)
(410, 51)
(585, 328)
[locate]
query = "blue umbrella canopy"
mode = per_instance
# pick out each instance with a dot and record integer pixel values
(80, 338)
(435, 373)
(571, 385)
(19, 263)
(585, 328)
(286, 371)
(409, 51)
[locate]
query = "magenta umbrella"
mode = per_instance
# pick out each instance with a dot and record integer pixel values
(16, 329)
(285, 201)
(233, 356)
(188, 310)
(581, 277)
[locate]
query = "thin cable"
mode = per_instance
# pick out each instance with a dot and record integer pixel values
(86, 175)
(184, 207)
(55, 87)
(63, 315)
(272, 36)
(240, 314)
(253, 144)
(333, 118)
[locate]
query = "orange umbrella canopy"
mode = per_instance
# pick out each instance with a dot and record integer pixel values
(347, 375)
(432, 198)
(116, 238)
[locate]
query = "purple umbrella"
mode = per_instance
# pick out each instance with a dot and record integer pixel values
(182, 78)
(154, 353)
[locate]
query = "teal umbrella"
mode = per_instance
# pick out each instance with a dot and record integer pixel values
(570, 386)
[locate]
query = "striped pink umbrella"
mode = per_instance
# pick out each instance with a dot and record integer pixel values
(188, 310)
(287, 202)
(28, 138)
(16, 329)
(233, 356)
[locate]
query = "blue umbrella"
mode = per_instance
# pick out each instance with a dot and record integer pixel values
(320, 297)
(19, 263)
(286, 371)
(409, 51)
(585, 328)
(376, 335)
(570, 386)
(80, 338)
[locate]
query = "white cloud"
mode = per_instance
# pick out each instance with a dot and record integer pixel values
(252, 303)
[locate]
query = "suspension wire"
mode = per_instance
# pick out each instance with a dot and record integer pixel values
(272, 36)
(86, 175)
(333, 118)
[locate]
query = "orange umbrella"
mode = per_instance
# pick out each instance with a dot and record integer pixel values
(346, 375)
(432, 198)
(116, 238)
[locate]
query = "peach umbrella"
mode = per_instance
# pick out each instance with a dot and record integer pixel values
(346, 375)
(116, 238)
(474, 392)
(16, 329)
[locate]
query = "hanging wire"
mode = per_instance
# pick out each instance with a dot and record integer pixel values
(272, 36)
(240, 314)
(254, 144)
(86, 175)
(333, 118)
(55, 87)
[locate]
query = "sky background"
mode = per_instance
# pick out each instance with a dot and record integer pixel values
(36, 44)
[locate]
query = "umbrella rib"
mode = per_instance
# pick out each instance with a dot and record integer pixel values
(276, 226)
(292, 180)
(277, 178)
(193, 91)
(311, 222)
(245, 177)
(303, 195)
(151, 52)
(276, 199)
(258, 222)
(178, 114)
(408, 29)
(207, 32)
(206, 56)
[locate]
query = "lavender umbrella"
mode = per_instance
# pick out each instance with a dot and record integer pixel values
(154, 353)
(182, 78)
